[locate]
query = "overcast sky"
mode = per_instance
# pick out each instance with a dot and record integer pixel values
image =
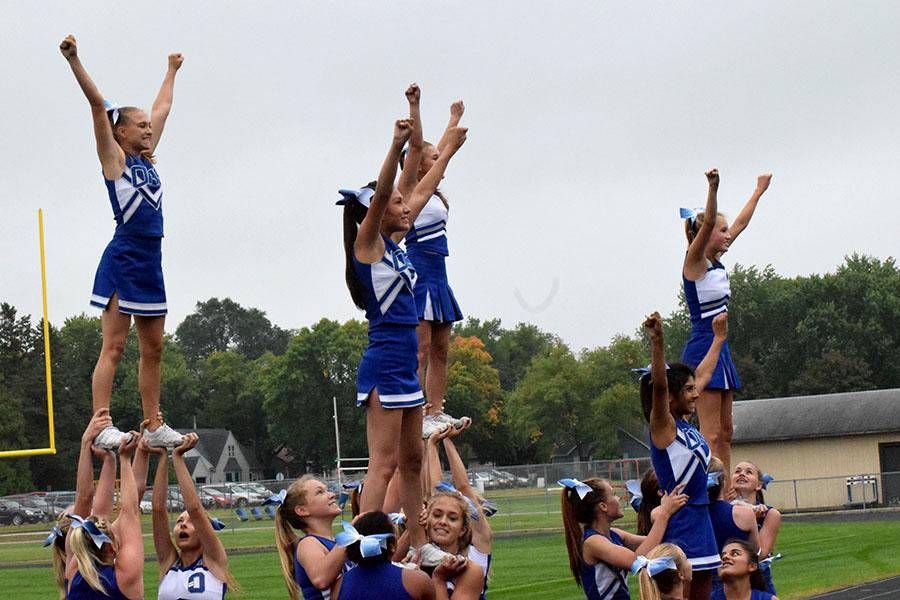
(590, 124)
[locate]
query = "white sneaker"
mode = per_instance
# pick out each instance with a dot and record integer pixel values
(163, 437)
(459, 423)
(430, 425)
(111, 438)
(430, 555)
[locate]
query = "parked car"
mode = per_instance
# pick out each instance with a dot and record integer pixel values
(58, 501)
(242, 496)
(174, 503)
(13, 513)
(509, 479)
(255, 486)
(486, 480)
(38, 503)
(221, 498)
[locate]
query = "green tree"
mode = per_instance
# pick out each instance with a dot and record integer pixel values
(222, 325)
(15, 475)
(512, 349)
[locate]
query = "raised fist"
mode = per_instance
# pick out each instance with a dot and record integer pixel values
(69, 47)
(175, 60)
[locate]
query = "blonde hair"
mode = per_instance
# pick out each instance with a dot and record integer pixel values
(692, 227)
(465, 538)
(286, 521)
(652, 588)
(88, 556)
(577, 511)
(58, 552)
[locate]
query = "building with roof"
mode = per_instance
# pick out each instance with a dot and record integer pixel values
(218, 457)
(832, 450)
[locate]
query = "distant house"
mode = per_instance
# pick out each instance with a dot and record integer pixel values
(219, 457)
(831, 437)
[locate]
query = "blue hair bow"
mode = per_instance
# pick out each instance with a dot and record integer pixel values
(446, 486)
(713, 479)
(766, 480)
(582, 489)
(654, 566)
(489, 507)
(363, 196)
(92, 530)
(642, 371)
(369, 545)
(397, 518)
(217, 524)
(690, 213)
(56, 532)
(112, 107)
(634, 488)
(276, 498)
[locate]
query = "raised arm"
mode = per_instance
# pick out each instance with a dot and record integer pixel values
(662, 424)
(163, 103)
(214, 555)
(432, 473)
(707, 366)
(127, 527)
(369, 247)
(456, 137)
(84, 477)
(456, 112)
(111, 155)
(103, 496)
(743, 218)
(409, 175)
(482, 536)
(641, 545)
(695, 261)
(166, 554)
(769, 532)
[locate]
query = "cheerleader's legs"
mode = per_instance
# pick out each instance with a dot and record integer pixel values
(700, 587)
(114, 326)
(716, 423)
(394, 437)
(434, 347)
(150, 332)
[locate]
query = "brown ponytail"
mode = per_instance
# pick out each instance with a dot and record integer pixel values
(575, 513)
(286, 521)
(354, 213)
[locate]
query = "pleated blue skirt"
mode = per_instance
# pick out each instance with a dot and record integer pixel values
(725, 376)
(131, 267)
(390, 365)
(434, 297)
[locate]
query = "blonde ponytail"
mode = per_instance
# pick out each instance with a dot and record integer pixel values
(88, 556)
(652, 588)
(286, 521)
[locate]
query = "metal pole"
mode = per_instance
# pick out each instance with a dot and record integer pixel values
(796, 500)
(337, 440)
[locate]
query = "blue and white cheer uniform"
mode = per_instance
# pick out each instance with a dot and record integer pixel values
(686, 460)
(301, 577)
(391, 360)
(603, 581)
(193, 582)
(426, 246)
(383, 580)
(706, 298)
(131, 265)
(80, 590)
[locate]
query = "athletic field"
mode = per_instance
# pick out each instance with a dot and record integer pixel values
(819, 556)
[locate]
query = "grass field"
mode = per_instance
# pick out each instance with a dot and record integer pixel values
(818, 557)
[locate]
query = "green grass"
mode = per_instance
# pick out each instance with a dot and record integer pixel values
(818, 557)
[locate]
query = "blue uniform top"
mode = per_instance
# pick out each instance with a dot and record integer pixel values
(382, 581)
(603, 581)
(311, 592)
(388, 288)
(754, 595)
(136, 198)
(429, 232)
(686, 460)
(721, 513)
(80, 590)
(193, 581)
(709, 296)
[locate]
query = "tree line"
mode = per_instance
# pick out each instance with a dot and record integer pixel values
(530, 395)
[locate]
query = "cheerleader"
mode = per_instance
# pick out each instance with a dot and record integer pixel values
(311, 565)
(741, 575)
(129, 280)
(663, 574)
(381, 279)
(601, 555)
(707, 291)
(426, 246)
(86, 500)
(729, 521)
(105, 560)
(679, 453)
(370, 542)
(194, 562)
(747, 484)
